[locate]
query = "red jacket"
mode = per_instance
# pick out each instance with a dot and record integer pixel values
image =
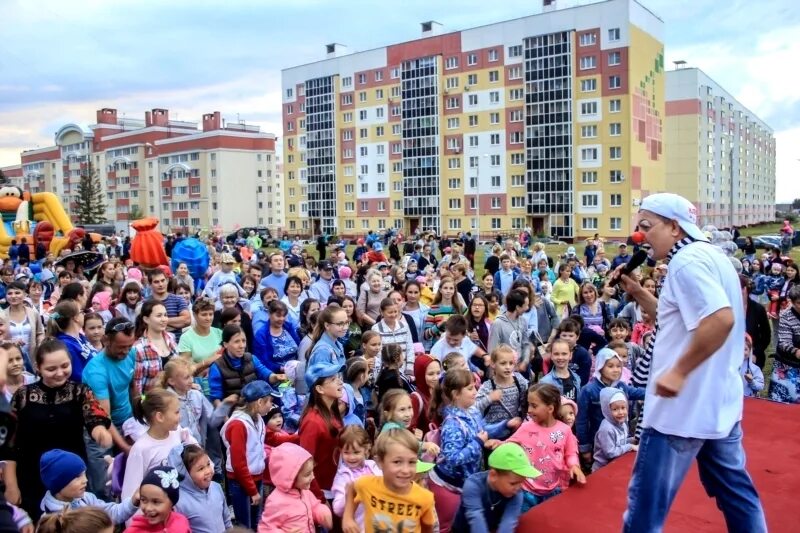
(273, 439)
(316, 438)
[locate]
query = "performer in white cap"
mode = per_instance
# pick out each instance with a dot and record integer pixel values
(693, 406)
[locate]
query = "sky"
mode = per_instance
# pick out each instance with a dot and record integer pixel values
(62, 61)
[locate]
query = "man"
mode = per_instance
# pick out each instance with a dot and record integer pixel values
(109, 374)
(622, 258)
(512, 328)
(177, 310)
(693, 406)
(321, 289)
(277, 277)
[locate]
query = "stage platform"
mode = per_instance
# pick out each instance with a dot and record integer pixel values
(772, 446)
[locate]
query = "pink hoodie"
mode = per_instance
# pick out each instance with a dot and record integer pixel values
(287, 508)
(346, 475)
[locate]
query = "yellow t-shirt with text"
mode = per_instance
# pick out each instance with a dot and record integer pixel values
(387, 512)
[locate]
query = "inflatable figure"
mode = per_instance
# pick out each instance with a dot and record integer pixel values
(195, 254)
(147, 247)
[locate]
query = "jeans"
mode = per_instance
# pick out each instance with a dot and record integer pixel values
(531, 500)
(661, 465)
(246, 515)
(96, 466)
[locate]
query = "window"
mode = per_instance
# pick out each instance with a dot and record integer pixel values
(495, 180)
(590, 200)
(397, 205)
(362, 96)
(362, 114)
(472, 59)
(614, 106)
(495, 160)
(472, 79)
(615, 200)
(289, 93)
(454, 183)
(453, 162)
(379, 94)
(363, 150)
(378, 75)
(362, 78)
(496, 223)
(364, 169)
(364, 189)
(363, 133)
(454, 223)
(588, 62)
(614, 58)
(493, 55)
(615, 152)
(589, 223)
(588, 108)
(397, 166)
(614, 82)
(588, 132)
(348, 189)
(473, 184)
(379, 112)
(518, 180)
(452, 144)
(588, 39)
(347, 98)
(473, 120)
(494, 97)
(496, 202)
(588, 154)
(614, 129)
(379, 133)
(452, 123)
(454, 203)
(397, 186)
(517, 159)
(616, 223)
(515, 94)
(494, 76)
(494, 118)
(397, 148)
(452, 102)
(451, 62)
(347, 117)
(451, 82)
(473, 140)
(515, 51)
(515, 115)
(395, 91)
(589, 177)
(381, 186)
(589, 85)
(615, 176)
(395, 73)
(349, 206)
(472, 99)
(494, 139)
(517, 201)
(516, 137)
(613, 34)
(396, 129)
(347, 81)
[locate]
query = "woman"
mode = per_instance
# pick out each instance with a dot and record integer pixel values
(201, 342)
(107, 274)
(36, 297)
(294, 295)
(51, 414)
(785, 383)
(352, 340)
(749, 249)
(275, 343)
(447, 302)
(236, 367)
(229, 298)
(414, 310)
(369, 301)
(25, 327)
(182, 275)
(130, 301)
(66, 325)
(756, 323)
(565, 291)
(792, 279)
(594, 312)
(155, 347)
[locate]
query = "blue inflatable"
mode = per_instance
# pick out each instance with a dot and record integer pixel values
(195, 254)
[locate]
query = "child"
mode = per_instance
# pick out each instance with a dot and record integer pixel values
(607, 374)
(396, 453)
(202, 500)
(611, 439)
(646, 325)
(569, 330)
(455, 340)
(396, 412)
(101, 304)
(620, 330)
(773, 282)
(354, 444)
(356, 377)
(391, 375)
(622, 351)
(64, 476)
(427, 371)
(160, 410)
(544, 284)
(78, 520)
(292, 506)
(243, 435)
(463, 439)
(195, 408)
(561, 375)
(159, 494)
(394, 330)
(568, 412)
(492, 500)
(502, 398)
(494, 305)
(752, 376)
(455, 360)
(550, 446)
(16, 375)
(446, 303)
(94, 329)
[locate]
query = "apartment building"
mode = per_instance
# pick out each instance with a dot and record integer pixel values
(720, 155)
(551, 121)
(190, 176)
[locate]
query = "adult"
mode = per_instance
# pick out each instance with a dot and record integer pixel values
(591, 249)
(155, 345)
(177, 308)
(25, 328)
(622, 257)
(66, 324)
(492, 263)
(201, 343)
(785, 383)
(236, 367)
(756, 322)
(594, 312)
(693, 404)
(229, 299)
(321, 289)
(51, 414)
(511, 327)
(277, 277)
(322, 246)
(275, 342)
(469, 248)
(427, 258)
(787, 234)
(749, 249)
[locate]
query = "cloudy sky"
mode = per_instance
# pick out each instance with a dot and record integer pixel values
(61, 61)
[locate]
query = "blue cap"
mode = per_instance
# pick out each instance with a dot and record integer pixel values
(320, 370)
(377, 247)
(255, 390)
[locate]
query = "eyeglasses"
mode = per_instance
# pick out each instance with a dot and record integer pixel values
(120, 327)
(340, 324)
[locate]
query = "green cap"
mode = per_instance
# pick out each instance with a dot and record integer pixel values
(512, 458)
(423, 467)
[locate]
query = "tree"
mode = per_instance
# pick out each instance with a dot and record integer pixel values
(135, 213)
(796, 203)
(91, 209)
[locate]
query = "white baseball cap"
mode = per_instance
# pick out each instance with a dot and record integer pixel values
(675, 207)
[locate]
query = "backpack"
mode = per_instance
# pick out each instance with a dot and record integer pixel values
(523, 404)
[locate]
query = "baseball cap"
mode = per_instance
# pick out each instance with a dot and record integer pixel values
(571, 250)
(322, 369)
(423, 467)
(677, 208)
(512, 458)
(325, 265)
(255, 390)
(377, 247)
(227, 259)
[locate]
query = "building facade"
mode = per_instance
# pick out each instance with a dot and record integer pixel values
(551, 121)
(720, 155)
(190, 177)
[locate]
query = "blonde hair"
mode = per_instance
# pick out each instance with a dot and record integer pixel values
(403, 437)
(354, 435)
(389, 402)
(170, 369)
(502, 349)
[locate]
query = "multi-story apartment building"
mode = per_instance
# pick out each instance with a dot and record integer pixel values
(189, 178)
(720, 155)
(550, 121)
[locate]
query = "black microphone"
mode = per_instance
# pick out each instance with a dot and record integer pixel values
(635, 262)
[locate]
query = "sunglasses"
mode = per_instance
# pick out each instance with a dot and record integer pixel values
(120, 327)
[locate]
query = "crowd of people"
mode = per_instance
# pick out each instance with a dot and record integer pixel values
(353, 391)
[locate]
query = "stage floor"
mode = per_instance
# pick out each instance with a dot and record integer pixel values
(773, 459)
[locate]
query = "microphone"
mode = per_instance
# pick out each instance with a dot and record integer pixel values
(635, 262)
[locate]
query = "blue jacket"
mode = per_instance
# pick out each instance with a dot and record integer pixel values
(461, 450)
(80, 353)
(326, 350)
(556, 381)
(264, 349)
(206, 510)
(590, 412)
(581, 363)
(483, 510)
(215, 388)
(497, 284)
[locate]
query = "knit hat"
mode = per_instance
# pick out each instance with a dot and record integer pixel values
(58, 468)
(345, 272)
(273, 412)
(135, 274)
(166, 478)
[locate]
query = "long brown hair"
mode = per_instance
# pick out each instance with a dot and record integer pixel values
(454, 380)
(315, 401)
(325, 316)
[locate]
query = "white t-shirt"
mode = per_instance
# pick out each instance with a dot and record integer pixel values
(441, 349)
(701, 281)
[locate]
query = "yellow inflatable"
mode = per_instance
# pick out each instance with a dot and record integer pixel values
(17, 207)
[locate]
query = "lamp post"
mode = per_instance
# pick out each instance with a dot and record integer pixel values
(478, 198)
